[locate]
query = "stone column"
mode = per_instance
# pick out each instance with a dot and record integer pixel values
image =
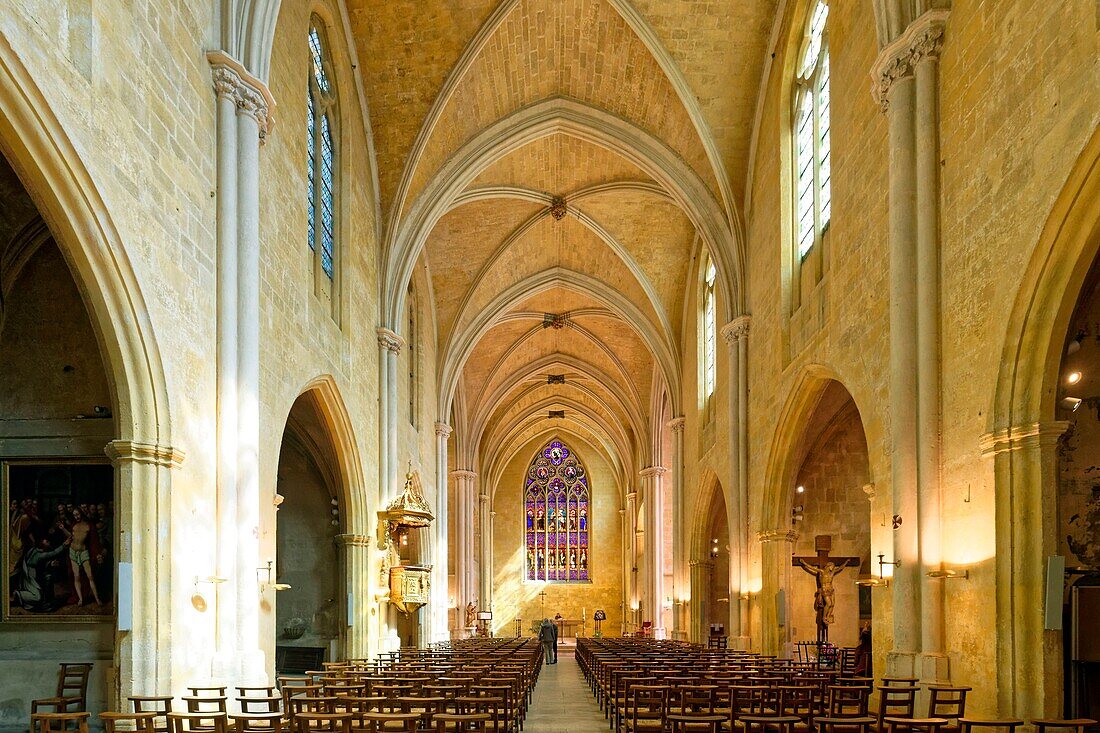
(465, 588)
(624, 571)
(245, 107)
(777, 547)
(389, 348)
(681, 585)
(906, 86)
(653, 495)
(440, 558)
(631, 589)
(355, 556)
(485, 566)
(736, 334)
(142, 473)
(701, 579)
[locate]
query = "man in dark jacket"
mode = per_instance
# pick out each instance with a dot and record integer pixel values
(548, 637)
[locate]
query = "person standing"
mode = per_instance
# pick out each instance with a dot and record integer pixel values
(547, 638)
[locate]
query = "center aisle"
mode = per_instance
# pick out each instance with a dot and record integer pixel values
(562, 702)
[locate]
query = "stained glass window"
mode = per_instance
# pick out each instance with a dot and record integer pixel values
(812, 196)
(320, 114)
(558, 516)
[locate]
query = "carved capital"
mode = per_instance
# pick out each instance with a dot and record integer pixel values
(463, 473)
(129, 451)
(1022, 437)
(632, 496)
(676, 424)
(249, 95)
(704, 564)
(389, 340)
(777, 535)
(653, 472)
(737, 329)
(922, 40)
(443, 430)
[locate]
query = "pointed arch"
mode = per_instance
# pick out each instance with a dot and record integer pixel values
(557, 505)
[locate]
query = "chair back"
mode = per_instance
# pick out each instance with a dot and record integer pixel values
(72, 681)
(198, 722)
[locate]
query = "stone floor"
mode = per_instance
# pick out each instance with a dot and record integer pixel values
(562, 702)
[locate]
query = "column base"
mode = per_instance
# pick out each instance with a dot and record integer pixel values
(934, 668)
(739, 643)
(902, 664)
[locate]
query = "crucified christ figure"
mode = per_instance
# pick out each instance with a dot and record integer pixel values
(825, 595)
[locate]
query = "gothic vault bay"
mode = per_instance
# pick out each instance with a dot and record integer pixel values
(373, 331)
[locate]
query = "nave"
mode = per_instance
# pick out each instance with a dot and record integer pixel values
(334, 330)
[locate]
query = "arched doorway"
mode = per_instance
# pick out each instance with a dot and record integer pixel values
(1078, 499)
(1025, 437)
(828, 501)
(310, 615)
(710, 567)
(816, 510)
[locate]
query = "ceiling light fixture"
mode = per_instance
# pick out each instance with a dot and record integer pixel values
(1073, 377)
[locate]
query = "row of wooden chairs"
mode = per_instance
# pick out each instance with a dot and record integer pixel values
(649, 686)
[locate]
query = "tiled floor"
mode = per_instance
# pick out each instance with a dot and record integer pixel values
(562, 702)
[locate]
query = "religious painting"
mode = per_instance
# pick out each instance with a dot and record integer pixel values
(59, 541)
(556, 507)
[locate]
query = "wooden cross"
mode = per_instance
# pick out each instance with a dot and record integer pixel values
(542, 595)
(824, 595)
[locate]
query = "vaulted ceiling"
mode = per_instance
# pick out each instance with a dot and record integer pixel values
(636, 113)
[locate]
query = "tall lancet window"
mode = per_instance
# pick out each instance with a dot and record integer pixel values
(558, 516)
(811, 134)
(709, 336)
(320, 124)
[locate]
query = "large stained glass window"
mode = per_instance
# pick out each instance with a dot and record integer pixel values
(558, 516)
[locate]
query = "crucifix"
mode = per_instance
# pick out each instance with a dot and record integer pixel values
(824, 569)
(542, 596)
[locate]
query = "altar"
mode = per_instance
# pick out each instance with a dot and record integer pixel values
(568, 627)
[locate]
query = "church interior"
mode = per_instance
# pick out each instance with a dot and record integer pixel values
(742, 342)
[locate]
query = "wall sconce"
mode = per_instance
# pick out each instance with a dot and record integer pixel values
(268, 580)
(947, 573)
(198, 602)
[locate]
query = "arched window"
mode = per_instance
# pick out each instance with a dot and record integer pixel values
(559, 520)
(320, 124)
(811, 134)
(709, 335)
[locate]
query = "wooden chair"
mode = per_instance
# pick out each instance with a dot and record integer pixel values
(849, 724)
(695, 723)
(844, 701)
(263, 722)
(646, 709)
(159, 705)
(456, 723)
(392, 722)
(204, 722)
(765, 723)
(895, 701)
(57, 722)
(72, 690)
(140, 722)
(947, 702)
(1077, 724)
(308, 721)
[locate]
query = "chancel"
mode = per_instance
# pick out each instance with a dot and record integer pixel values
(348, 347)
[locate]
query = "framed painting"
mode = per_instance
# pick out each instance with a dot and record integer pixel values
(58, 540)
